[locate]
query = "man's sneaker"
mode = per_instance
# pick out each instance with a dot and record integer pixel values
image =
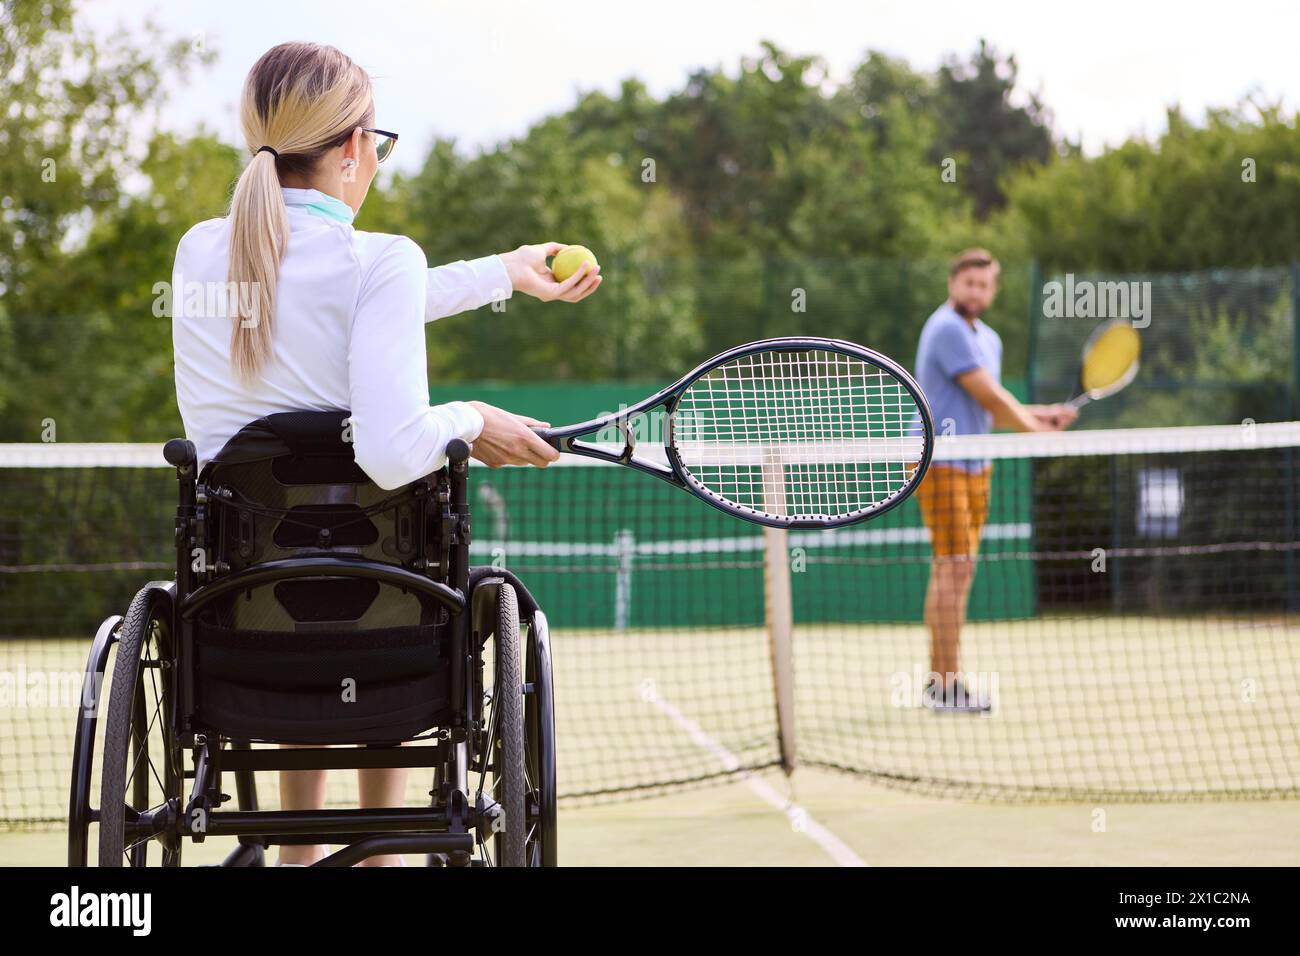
(957, 700)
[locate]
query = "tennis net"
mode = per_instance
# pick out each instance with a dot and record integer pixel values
(1134, 620)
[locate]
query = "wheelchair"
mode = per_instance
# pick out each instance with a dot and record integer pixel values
(310, 607)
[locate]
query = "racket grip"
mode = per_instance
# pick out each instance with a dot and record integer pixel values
(547, 435)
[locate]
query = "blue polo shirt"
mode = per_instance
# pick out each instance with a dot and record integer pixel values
(950, 346)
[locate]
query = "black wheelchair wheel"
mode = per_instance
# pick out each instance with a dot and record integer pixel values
(539, 745)
(140, 789)
(501, 765)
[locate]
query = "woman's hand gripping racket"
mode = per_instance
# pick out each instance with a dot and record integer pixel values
(1109, 362)
(789, 433)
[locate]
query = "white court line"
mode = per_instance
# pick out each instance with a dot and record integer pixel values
(801, 821)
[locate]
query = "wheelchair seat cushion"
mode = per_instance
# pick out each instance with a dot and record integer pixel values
(342, 687)
(289, 660)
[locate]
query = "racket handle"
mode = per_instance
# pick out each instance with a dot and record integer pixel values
(547, 435)
(1079, 401)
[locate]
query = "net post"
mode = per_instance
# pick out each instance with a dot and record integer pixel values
(779, 610)
(625, 550)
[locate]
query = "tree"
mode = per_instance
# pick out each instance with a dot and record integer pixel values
(1219, 194)
(718, 143)
(543, 186)
(977, 121)
(73, 103)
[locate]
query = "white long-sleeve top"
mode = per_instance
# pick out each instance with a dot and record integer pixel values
(348, 333)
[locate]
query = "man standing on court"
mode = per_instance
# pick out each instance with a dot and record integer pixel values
(959, 367)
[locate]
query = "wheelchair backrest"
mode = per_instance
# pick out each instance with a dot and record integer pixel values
(287, 486)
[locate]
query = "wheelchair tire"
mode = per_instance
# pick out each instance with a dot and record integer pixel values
(142, 767)
(507, 732)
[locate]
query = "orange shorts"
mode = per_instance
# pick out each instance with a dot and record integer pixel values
(954, 504)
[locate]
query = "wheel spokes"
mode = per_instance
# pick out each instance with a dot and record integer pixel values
(141, 742)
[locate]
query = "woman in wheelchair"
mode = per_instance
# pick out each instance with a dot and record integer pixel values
(323, 593)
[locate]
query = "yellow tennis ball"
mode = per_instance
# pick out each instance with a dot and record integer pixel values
(569, 259)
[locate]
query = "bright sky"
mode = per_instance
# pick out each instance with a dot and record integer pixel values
(484, 71)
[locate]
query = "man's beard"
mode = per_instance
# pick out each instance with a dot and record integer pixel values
(964, 310)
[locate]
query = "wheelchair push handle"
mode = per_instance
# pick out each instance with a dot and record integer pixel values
(457, 453)
(458, 487)
(180, 453)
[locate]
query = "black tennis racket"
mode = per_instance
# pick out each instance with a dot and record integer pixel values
(788, 433)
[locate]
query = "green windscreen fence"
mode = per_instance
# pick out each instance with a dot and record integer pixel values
(604, 547)
(672, 560)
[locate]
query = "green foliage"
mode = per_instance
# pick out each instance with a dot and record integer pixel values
(542, 186)
(1181, 202)
(67, 283)
(717, 142)
(977, 121)
(967, 111)
(764, 200)
(93, 356)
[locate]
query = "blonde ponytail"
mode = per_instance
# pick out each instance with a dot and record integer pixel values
(300, 100)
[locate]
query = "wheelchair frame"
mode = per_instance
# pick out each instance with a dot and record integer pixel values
(456, 823)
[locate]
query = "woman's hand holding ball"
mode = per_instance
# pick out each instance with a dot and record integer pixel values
(576, 272)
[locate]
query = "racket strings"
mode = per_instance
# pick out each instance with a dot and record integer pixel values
(1110, 359)
(809, 433)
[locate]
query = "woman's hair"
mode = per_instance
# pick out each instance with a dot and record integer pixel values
(300, 99)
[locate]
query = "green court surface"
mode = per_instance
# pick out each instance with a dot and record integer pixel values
(730, 825)
(1090, 712)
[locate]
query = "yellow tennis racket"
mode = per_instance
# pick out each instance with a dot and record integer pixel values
(1110, 362)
